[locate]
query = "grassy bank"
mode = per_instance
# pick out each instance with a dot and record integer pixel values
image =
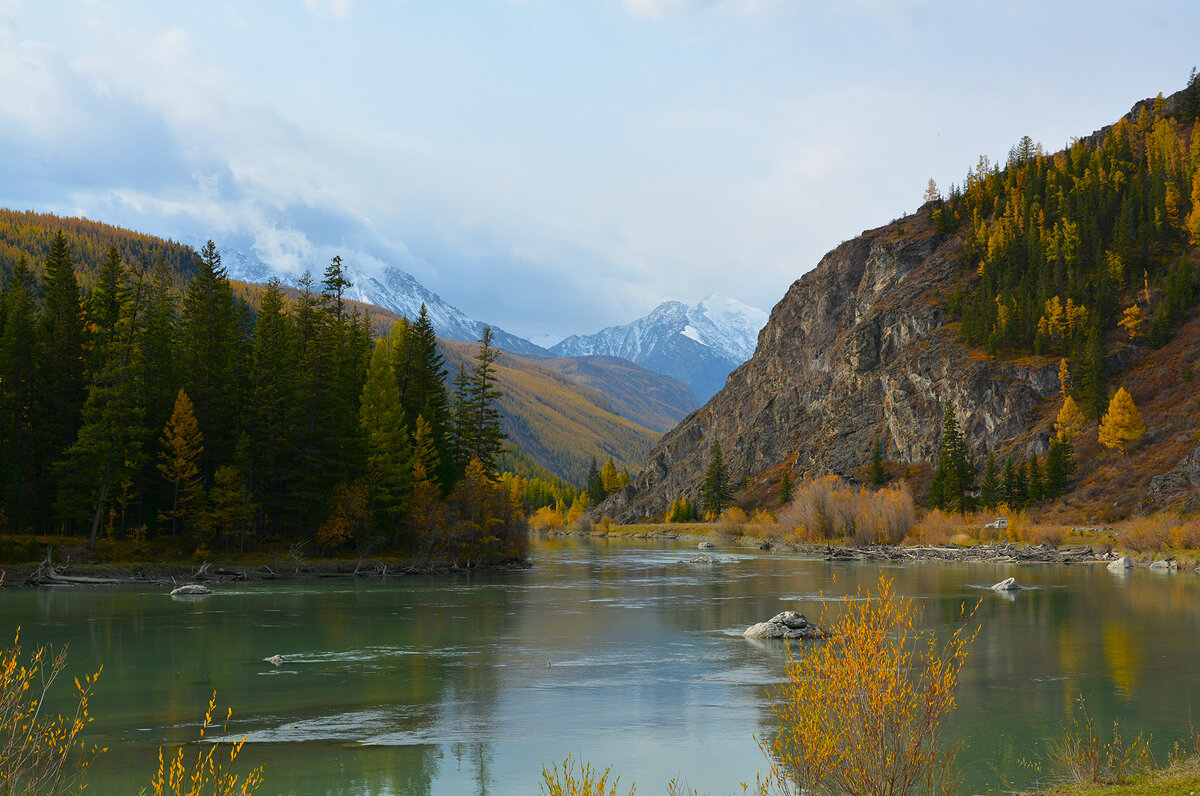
(1182, 779)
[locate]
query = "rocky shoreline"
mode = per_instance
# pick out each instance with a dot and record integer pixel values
(155, 573)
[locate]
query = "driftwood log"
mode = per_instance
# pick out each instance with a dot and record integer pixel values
(1002, 553)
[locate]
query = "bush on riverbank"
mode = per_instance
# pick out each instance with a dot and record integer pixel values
(829, 508)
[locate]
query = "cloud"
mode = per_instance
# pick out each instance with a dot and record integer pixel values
(329, 9)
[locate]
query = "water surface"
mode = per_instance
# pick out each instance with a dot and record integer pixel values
(617, 652)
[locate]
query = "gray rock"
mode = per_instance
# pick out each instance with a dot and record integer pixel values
(705, 546)
(1008, 584)
(703, 558)
(276, 659)
(1166, 565)
(1120, 565)
(788, 624)
(190, 589)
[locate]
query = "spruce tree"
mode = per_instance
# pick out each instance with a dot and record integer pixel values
(595, 485)
(989, 490)
(715, 492)
(389, 455)
(877, 475)
(487, 438)
(1036, 483)
(18, 396)
(785, 488)
(62, 388)
(1011, 488)
(955, 476)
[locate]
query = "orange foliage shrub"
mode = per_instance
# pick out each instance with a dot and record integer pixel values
(828, 507)
(874, 724)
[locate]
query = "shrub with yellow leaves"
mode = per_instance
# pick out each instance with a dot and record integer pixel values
(210, 773)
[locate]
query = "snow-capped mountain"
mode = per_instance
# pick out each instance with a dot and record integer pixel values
(700, 345)
(391, 289)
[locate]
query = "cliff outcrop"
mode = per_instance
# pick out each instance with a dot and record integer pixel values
(858, 349)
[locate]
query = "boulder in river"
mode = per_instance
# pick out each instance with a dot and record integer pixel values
(1120, 565)
(276, 659)
(703, 558)
(706, 546)
(1008, 584)
(788, 624)
(190, 589)
(1165, 565)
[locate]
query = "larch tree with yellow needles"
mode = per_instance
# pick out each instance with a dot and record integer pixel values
(1122, 423)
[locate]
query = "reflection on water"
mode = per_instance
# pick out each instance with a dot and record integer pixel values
(621, 653)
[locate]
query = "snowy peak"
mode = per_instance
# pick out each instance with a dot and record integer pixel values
(699, 344)
(392, 289)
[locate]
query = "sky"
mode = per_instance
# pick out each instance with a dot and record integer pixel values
(551, 166)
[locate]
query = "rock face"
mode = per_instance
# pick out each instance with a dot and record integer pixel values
(788, 624)
(858, 348)
(1181, 484)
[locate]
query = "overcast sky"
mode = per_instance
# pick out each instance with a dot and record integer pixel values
(551, 166)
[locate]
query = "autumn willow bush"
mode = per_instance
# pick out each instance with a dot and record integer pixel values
(39, 753)
(827, 508)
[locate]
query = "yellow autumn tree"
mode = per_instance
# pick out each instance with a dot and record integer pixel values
(1070, 421)
(182, 443)
(1122, 423)
(1132, 320)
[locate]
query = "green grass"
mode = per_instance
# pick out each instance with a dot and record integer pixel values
(1178, 780)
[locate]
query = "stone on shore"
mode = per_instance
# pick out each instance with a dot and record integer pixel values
(190, 589)
(1008, 584)
(788, 624)
(1120, 565)
(1166, 565)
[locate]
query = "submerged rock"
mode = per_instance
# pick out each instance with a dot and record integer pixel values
(703, 558)
(1008, 584)
(788, 624)
(276, 659)
(190, 589)
(706, 546)
(1120, 565)
(1166, 565)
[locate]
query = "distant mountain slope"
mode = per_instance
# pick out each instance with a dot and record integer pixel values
(392, 289)
(89, 241)
(652, 399)
(699, 345)
(559, 423)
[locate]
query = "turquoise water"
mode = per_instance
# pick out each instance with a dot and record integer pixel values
(620, 653)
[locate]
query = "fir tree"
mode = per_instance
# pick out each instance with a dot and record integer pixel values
(18, 396)
(389, 464)
(1036, 484)
(486, 436)
(877, 476)
(1059, 466)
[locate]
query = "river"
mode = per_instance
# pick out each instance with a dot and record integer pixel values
(619, 652)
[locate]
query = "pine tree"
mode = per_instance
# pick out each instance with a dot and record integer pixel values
(1122, 423)
(715, 492)
(460, 419)
(785, 488)
(1011, 488)
(1059, 467)
(183, 446)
